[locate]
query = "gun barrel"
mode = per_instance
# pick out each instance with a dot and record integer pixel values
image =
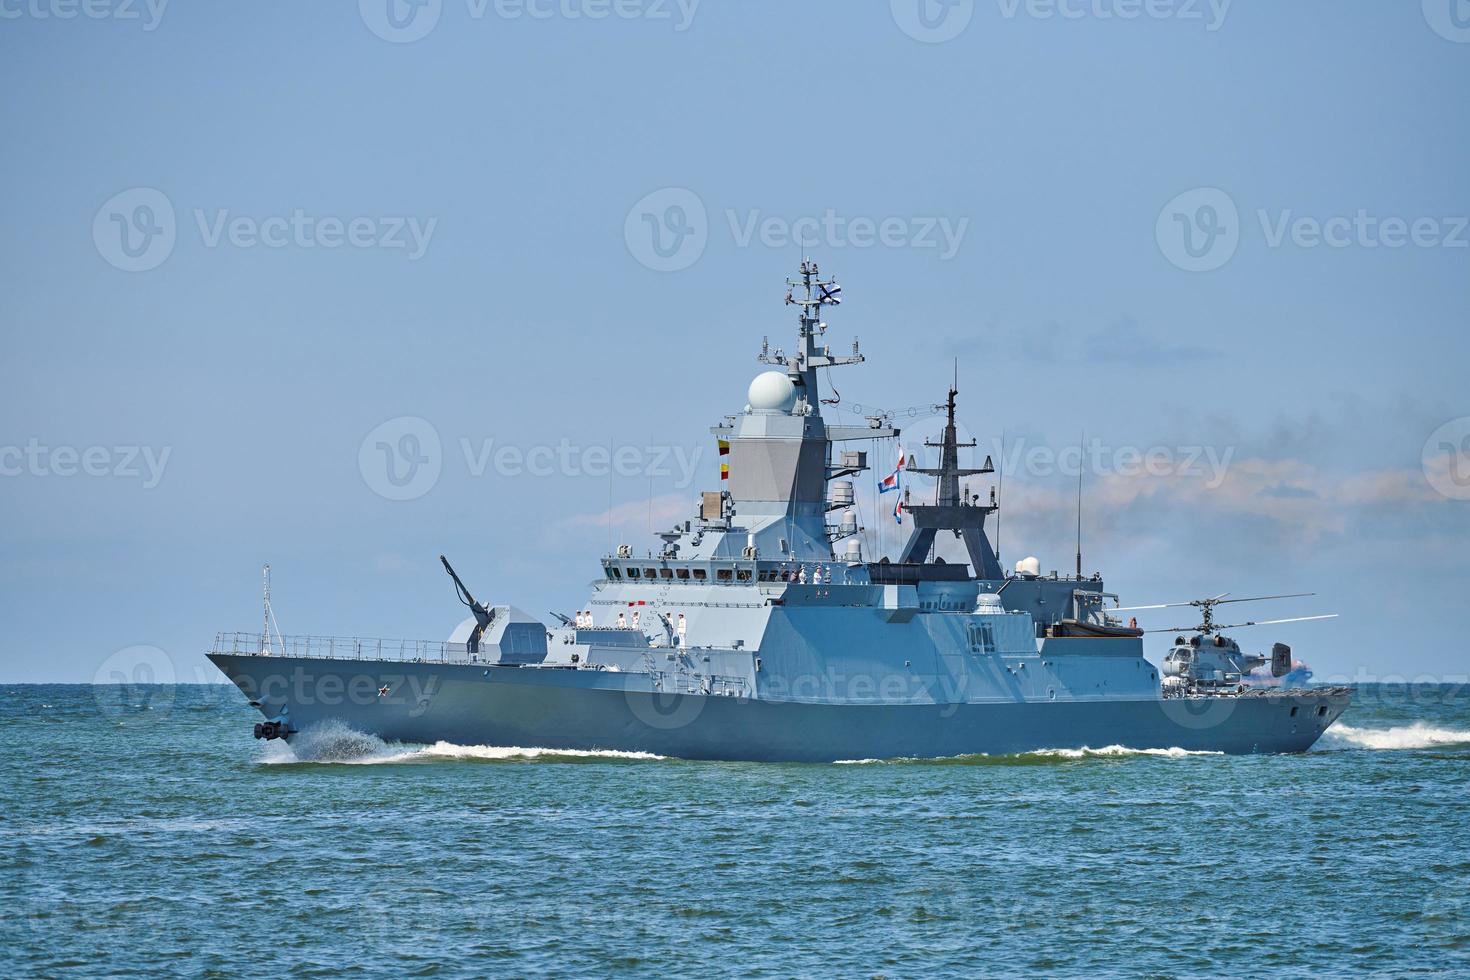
(469, 599)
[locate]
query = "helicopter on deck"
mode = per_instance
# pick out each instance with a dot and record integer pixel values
(1209, 662)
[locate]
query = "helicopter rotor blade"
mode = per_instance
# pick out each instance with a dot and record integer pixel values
(1272, 622)
(1217, 600)
(1262, 598)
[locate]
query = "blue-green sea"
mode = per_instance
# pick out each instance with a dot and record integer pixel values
(147, 834)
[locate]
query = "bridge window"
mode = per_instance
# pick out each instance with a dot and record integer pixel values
(666, 573)
(699, 575)
(722, 574)
(613, 573)
(682, 572)
(650, 573)
(743, 574)
(632, 573)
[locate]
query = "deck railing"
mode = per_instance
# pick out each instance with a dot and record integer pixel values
(337, 647)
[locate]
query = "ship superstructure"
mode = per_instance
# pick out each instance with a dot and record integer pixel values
(759, 629)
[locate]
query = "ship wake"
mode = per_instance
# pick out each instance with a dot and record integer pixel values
(337, 743)
(1036, 756)
(1415, 736)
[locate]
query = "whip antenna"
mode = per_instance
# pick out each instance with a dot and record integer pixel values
(1081, 439)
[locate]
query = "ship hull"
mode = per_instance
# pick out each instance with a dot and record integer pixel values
(479, 704)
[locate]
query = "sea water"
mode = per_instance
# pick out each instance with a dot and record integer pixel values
(146, 832)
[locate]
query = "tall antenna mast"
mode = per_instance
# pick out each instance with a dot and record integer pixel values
(265, 627)
(812, 352)
(1000, 493)
(1081, 439)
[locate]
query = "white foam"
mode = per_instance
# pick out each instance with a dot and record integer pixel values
(1415, 736)
(334, 742)
(447, 750)
(1106, 751)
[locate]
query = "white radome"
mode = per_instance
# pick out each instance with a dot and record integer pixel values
(771, 391)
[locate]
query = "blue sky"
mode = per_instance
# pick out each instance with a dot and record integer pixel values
(242, 241)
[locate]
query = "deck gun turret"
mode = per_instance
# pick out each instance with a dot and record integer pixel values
(483, 616)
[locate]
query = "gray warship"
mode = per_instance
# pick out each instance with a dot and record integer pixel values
(759, 629)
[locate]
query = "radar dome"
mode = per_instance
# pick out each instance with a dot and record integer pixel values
(771, 391)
